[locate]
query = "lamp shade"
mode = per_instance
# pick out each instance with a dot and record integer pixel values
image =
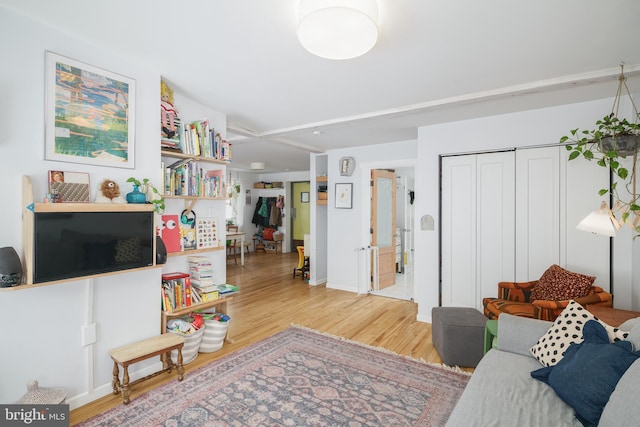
(338, 29)
(599, 222)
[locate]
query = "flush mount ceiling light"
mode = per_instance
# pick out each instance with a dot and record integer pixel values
(257, 166)
(338, 29)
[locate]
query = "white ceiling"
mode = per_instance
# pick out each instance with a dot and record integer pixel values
(435, 61)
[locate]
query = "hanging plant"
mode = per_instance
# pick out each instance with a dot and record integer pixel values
(611, 140)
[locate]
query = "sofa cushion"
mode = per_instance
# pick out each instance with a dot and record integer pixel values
(501, 393)
(589, 372)
(622, 408)
(558, 284)
(632, 327)
(566, 330)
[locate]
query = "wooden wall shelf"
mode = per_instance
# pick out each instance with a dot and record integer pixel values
(175, 155)
(195, 251)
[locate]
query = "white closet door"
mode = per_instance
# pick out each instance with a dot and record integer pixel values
(580, 251)
(537, 211)
(495, 209)
(458, 231)
(477, 226)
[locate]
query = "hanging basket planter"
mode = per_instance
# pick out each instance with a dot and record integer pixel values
(613, 139)
(624, 145)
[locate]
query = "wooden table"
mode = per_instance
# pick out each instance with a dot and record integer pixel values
(233, 235)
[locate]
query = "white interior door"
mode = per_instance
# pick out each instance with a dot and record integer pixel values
(537, 211)
(478, 210)
(458, 271)
(383, 217)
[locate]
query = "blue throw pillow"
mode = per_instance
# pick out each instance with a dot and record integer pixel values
(589, 372)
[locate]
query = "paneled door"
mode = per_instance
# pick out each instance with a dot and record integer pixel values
(383, 224)
(478, 215)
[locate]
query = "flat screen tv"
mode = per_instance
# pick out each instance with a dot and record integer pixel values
(76, 244)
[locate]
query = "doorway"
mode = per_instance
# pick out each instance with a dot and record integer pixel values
(300, 213)
(403, 286)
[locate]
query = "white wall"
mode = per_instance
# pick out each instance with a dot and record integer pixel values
(529, 128)
(348, 229)
(42, 326)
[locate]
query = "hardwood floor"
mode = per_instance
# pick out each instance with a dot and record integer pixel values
(270, 301)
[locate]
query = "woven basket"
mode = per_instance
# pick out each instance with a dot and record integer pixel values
(191, 345)
(213, 338)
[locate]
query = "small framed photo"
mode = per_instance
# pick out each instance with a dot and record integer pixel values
(344, 196)
(304, 197)
(89, 114)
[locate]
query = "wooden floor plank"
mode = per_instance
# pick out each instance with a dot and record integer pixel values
(270, 300)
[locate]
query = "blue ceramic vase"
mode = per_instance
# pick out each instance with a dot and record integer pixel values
(136, 196)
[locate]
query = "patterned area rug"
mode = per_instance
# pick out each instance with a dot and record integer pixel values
(299, 377)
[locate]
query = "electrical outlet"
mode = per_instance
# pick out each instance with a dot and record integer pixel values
(88, 335)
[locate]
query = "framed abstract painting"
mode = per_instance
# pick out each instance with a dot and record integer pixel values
(89, 114)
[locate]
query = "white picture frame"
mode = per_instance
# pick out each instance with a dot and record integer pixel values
(89, 114)
(344, 196)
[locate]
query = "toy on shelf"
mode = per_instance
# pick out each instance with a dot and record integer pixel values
(109, 192)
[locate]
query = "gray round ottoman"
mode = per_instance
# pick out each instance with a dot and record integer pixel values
(458, 335)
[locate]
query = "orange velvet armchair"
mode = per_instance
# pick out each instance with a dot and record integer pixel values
(514, 298)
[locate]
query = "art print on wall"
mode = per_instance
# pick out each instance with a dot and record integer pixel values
(89, 114)
(344, 196)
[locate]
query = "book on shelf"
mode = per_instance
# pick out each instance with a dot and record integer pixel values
(226, 289)
(198, 138)
(208, 296)
(177, 292)
(187, 178)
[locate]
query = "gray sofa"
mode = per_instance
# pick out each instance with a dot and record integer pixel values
(501, 391)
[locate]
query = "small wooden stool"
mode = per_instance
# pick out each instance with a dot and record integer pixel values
(142, 350)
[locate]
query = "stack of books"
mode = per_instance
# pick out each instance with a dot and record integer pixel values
(201, 272)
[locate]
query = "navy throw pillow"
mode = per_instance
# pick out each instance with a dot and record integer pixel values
(589, 372)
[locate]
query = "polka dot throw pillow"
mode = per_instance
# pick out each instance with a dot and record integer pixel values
(567, 329)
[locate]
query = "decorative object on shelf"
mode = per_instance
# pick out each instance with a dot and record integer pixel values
(169, 119)
(613, 139)
(150, 192)
(69, 186)
(161, 251)
(188, 233)
(338, 29)
(82, 125)
(37, 395)
(10, 268)
(347, 166)
(344, 196)
(135, 196)
(170, 232)
(207, 233)
(109, 192)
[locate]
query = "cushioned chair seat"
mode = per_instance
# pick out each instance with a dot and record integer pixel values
(514, 298)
